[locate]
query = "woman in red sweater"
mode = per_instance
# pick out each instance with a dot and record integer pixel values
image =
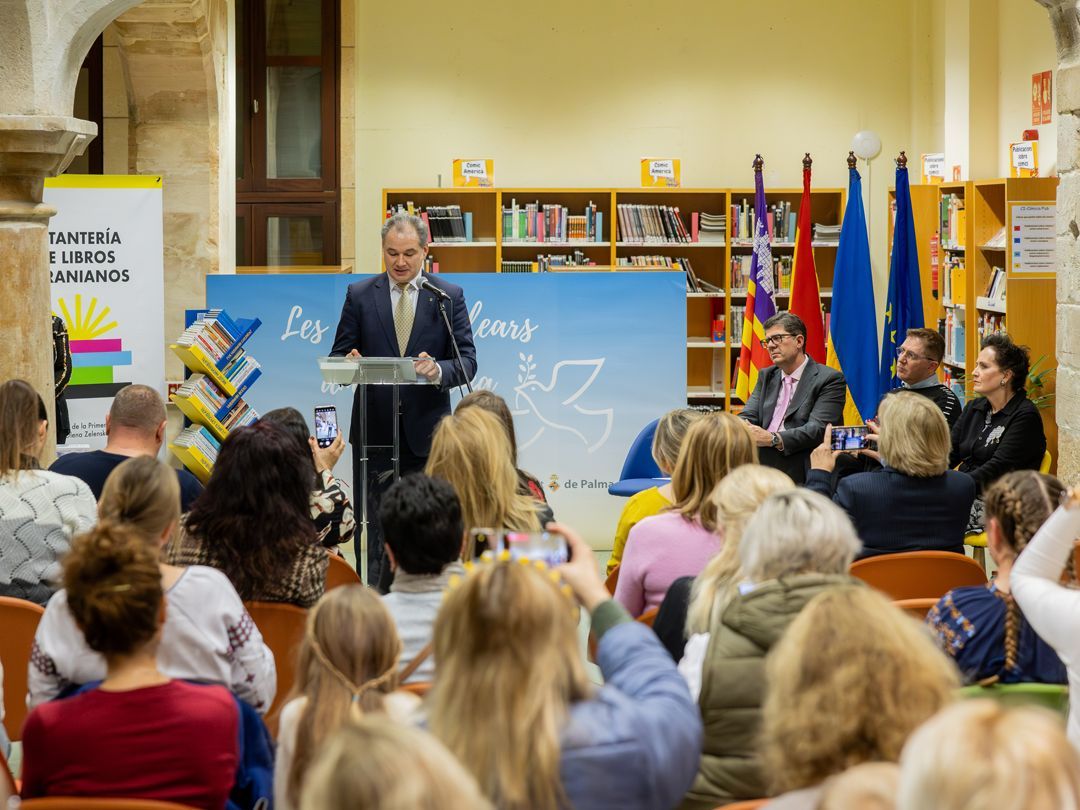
(139, 734)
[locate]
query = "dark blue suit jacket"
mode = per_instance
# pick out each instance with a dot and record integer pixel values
(367, 325)
(897, 512)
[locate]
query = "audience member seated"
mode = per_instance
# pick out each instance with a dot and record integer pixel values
(982, 627)
(347, 667)
(422, 529)
(252, 522)
(915, 502)
(471, 452)
(208, 635)
(40, 510)
(670, 430)
(692, 604)
(379, 765)
(134, 426)
(513, 702)
(680, 541)
(1000, 430)
(140, 734)
(981, 755)
(851, 678)
(494, 404)
(917, 361)
(797, 545)
(1052, 608)
(331, 508)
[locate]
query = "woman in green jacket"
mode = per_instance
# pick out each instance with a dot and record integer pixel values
(796, 545)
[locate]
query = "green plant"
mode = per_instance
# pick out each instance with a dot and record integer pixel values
(1036, 384)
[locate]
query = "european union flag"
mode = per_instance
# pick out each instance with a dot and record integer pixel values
(853, 326)
(903, 307)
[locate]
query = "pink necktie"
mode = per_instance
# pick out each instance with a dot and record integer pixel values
(782, 404)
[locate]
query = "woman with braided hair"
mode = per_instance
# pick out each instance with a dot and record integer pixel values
(982, 627)
(347, 668)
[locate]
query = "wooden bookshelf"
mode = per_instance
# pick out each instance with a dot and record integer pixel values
(709, 364)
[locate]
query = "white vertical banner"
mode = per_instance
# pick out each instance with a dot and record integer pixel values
(106, 268)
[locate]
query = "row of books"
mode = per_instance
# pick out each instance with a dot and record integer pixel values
(446, 223)
(989, 323)
(533, 222)
(953, 280)
(781, 225)
(544, 263)
(740, 273)
(953, 221)
(995, 286)
(198, 449)
(651, 224)
(827, 234)
(212, 344)
(955, 330)
(202, 401)
(215, 333)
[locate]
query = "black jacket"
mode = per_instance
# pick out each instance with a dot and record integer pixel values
(1012, 439)
(896, 512)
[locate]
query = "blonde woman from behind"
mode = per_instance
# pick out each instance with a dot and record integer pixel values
(513, 703)
(680, 541)
(981, 755)
(851, 678)
(347, 668)
(376, 764)
(670, 431)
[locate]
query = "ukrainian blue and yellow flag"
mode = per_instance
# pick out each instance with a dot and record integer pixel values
(853, 345)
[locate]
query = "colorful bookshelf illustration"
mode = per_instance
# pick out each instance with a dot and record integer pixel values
(95, 359)
(211, 397)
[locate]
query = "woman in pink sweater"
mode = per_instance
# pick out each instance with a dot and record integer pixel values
(679, 541)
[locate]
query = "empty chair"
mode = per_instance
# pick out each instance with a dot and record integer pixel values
(918, 574)
(19, 620)
(282, 628)
(639, 470)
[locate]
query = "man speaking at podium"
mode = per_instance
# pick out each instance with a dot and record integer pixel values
(396, 314)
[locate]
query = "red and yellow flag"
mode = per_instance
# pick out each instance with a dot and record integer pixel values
(805, 296)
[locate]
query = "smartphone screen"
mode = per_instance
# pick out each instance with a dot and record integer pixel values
(326, 428)
(480, 540)
(545, 546)
(849, 438)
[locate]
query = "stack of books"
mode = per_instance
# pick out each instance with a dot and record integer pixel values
(953, 284)
(989, 323)
(995, 288)
(446, 223)
(710, 228)
(534, 222)
(781, 225)
(827, 234)
(651, 224)
(213, 348)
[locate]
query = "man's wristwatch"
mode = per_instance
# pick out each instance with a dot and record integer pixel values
(775, 442)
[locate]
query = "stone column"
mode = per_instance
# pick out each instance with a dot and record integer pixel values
(32, 147)
(1065, 21)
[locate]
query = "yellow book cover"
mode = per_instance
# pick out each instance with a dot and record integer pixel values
(200, 414)
(195, 461)
(959, 285)
(961, 227)
(660, 172)
(197, 360)
(476, 173)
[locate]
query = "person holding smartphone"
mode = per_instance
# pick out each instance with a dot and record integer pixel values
(914, 502)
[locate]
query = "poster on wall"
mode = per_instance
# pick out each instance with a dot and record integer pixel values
(584, 360)
(1033, 240)
(106, 270)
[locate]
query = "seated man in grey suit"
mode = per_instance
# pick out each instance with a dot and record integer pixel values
(794, 399)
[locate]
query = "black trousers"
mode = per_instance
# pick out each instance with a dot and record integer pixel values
(380, 476)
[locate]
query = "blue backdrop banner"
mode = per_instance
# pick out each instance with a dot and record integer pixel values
(585, 361)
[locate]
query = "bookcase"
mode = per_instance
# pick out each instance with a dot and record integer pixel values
(987, 284)
(220, 372)
(666, 229)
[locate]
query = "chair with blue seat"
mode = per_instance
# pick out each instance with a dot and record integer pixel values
(639, 471)
(978, 541)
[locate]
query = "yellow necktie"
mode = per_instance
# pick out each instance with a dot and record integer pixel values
(403, 317)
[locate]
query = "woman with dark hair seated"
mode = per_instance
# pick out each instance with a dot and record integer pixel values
(141, 734)
(1001, 430)
(491, 402)
(252, 521)
(331, 509)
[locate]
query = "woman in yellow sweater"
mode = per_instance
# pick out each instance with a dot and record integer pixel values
(670, 431)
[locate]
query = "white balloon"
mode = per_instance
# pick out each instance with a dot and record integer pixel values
(866, 144)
